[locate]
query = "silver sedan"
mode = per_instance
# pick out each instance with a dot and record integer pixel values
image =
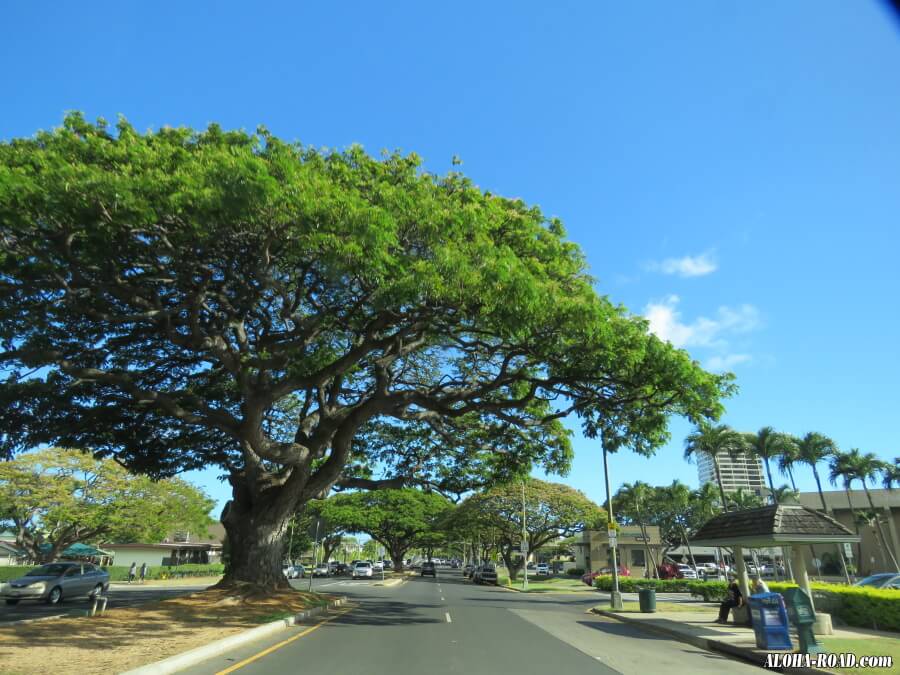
(55, 581)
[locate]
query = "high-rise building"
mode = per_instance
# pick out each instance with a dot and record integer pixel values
(742, 471)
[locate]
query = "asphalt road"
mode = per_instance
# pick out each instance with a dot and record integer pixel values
(431, 626)
(119, 596)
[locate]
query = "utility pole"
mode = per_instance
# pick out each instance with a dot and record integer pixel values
(524, 543)
(615, 598)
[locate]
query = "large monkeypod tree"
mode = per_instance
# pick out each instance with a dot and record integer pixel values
(552, 511)
(397, 519)
(180, 299)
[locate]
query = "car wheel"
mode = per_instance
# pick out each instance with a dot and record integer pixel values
(12, 601)
(98, 591)
(55, 596)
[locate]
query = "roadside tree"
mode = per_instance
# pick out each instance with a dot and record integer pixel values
(54, 498)
(181, 299)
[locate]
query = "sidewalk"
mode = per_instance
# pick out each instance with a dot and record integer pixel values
(698, 628)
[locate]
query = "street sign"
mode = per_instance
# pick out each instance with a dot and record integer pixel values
(524, 548)
(848, 550)
(612, 540)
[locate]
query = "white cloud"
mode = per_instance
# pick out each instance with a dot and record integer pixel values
(665, 322)
(721, 364)
(688, 266)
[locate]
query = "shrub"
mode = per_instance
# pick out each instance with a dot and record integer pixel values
(8, 572)
(575, 571)
(855, 605)
(708, 590)
(120, 572)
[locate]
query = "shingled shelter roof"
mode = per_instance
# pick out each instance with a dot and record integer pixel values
(772, 526)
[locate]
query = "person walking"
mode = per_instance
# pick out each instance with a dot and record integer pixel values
(735, 599)
(131, 572)
(143, 572)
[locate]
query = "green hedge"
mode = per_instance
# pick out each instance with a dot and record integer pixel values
(575, 571)
(855, 605)
(708, 590)
(120, 572)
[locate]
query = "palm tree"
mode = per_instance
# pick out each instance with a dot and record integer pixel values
(741, 499)
(768, 444)
(852, 466)
(632, 498)
(790, 455)
(812, 449)
(839, 466)
(787, 495)
(710, 441)
(890, 474)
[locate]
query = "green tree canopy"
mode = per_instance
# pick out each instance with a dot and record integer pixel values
(552, 510)
(178, 299)
(54, 498)
(397, 519)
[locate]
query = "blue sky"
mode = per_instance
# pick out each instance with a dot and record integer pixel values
(730, 169)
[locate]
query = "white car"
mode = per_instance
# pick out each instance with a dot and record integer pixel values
(543, 569)
(687, 572)
(293, 571)
(321, 570)
(378, 566)
(362, 570)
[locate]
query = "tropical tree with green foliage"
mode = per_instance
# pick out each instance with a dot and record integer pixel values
(812, 449)
(397, 519)
(552, 510)
(890, 474)
(768, 444)
(742, 499)
(710, 441)
(632, 501)
(179, 299)
(54, 498)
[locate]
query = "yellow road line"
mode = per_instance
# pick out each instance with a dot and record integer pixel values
(281, 644)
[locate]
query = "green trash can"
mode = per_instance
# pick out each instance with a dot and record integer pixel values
(647, 599)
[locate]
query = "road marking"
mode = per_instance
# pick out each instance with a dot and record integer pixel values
(281, 644)
(442, 598)
(447, 614)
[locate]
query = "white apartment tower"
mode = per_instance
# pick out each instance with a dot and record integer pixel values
(741, 471)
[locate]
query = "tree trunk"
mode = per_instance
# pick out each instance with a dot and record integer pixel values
(771, 482)
(719, 481)
(688, 544)
(855, 527)
(397, 559)
(840, 549)
(880, 532)
(791, 476)
(255, 527)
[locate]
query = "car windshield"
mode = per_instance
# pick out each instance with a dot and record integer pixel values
(48, 571)
(364, 564)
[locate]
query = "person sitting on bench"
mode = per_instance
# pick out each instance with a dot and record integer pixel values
(735, 599)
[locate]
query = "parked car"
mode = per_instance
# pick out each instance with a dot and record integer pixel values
(543, 569)
(623, 571)
(588, 578)
(293, 571)
(320, 570)
(454, 564)
(341, 568)
(54, 581)
(362, 570)
(467, 570)
(378, 566)
(686, 572)
(429, 569)
(882, 580)
(388, 564)
(485, 574)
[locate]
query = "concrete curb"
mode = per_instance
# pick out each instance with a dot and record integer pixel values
(21, 622)
(388, 583)
(173, 664)
(709, 644)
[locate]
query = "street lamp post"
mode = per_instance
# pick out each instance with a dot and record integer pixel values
(524, 543)
(615, 598)
(315, 556)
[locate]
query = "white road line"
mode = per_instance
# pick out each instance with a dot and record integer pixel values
(442, 599)
(447, 614)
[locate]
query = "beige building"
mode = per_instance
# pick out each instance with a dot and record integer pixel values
(179, 548)
(867, 555)
(631, 549)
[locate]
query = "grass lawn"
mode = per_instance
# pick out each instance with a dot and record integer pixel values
(867, 647)
(549, 585)
(635, 608)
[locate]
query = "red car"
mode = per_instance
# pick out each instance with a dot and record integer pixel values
(606, 571)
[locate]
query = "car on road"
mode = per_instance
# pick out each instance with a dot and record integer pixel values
(293, 571)
(429, 569)
(543, 569)
(321, 570)
(467, 570)
(54, 581)
(882, 580)
(378, 566)
(485, 574)
(362, 570)
(341, 568)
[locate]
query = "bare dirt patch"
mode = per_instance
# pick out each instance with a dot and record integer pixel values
(132, 636)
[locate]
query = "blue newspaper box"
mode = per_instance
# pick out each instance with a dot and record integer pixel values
(770, 621)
